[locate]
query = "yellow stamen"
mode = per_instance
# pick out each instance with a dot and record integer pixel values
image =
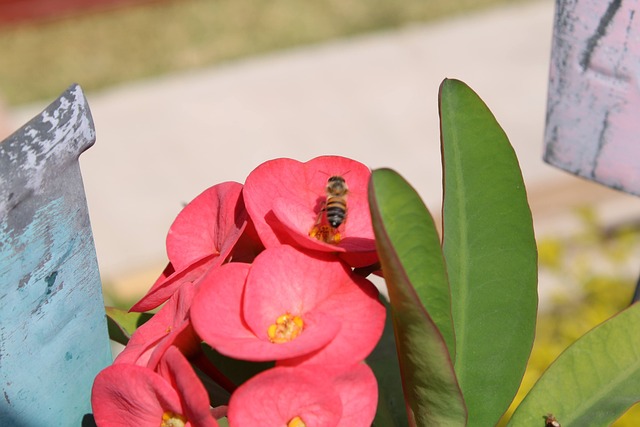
(296, 422)
(171, 419)
(286, 328)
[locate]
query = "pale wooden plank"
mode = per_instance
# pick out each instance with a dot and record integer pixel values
(593, 126)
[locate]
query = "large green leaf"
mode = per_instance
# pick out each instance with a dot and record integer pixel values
(413, 235)
(490, 253)
(593, 382)
(429, 382)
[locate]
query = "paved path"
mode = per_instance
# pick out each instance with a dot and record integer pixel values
(372, 98)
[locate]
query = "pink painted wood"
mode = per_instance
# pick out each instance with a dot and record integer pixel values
(593, 111)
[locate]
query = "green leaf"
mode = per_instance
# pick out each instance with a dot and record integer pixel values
(490, 254)
(593, 382)
(122, 324)
(413, 235)
(383, 360)
(429, 382)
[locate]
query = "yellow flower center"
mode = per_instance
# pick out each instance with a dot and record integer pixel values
(171, 419)
(296, 422)
(286, 328)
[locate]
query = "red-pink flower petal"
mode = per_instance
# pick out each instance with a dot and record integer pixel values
(219, 411)
(209, 225)
(276, 396)
(169, 326)
(218, 318)
(358, 391)
(284, 198)
(285, 280)
(202, 237)
(193, 396)
(132, 395)
(126, 395)
(170, 281)
(248, 245)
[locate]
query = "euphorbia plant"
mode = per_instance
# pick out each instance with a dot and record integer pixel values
(251, 280)
(266, 296)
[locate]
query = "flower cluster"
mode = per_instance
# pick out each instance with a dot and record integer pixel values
(260, 272)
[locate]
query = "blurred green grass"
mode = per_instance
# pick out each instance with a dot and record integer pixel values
(97, 50)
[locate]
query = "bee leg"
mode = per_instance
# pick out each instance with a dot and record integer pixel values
(316, 230)
(323, 209)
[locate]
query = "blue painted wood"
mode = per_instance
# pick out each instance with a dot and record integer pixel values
(53, 334)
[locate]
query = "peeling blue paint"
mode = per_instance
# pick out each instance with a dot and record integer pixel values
(53, 332)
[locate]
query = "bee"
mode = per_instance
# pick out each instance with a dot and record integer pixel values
(333, 213)
(551, 421)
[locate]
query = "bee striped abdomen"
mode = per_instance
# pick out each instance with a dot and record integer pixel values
(336, 211)
(333, 213)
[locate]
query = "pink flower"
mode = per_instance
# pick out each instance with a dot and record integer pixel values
(358, 391)
(210, 225)
(248, 245)
(289, 305)
(285, 199)
(299, 396)
(132, 395)
(168, 327)
(201, 237)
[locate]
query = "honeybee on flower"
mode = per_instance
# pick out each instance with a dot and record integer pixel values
(307, 204)
(333, 213)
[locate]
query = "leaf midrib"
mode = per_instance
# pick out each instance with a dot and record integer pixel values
(462, 254)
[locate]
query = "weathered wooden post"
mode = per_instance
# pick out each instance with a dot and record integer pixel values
(53, 335)
(593, 106)
(593, 110)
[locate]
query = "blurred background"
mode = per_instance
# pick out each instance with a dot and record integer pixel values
(187, 94)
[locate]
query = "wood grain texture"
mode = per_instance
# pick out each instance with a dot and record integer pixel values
(594, 92)
(53, 336)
